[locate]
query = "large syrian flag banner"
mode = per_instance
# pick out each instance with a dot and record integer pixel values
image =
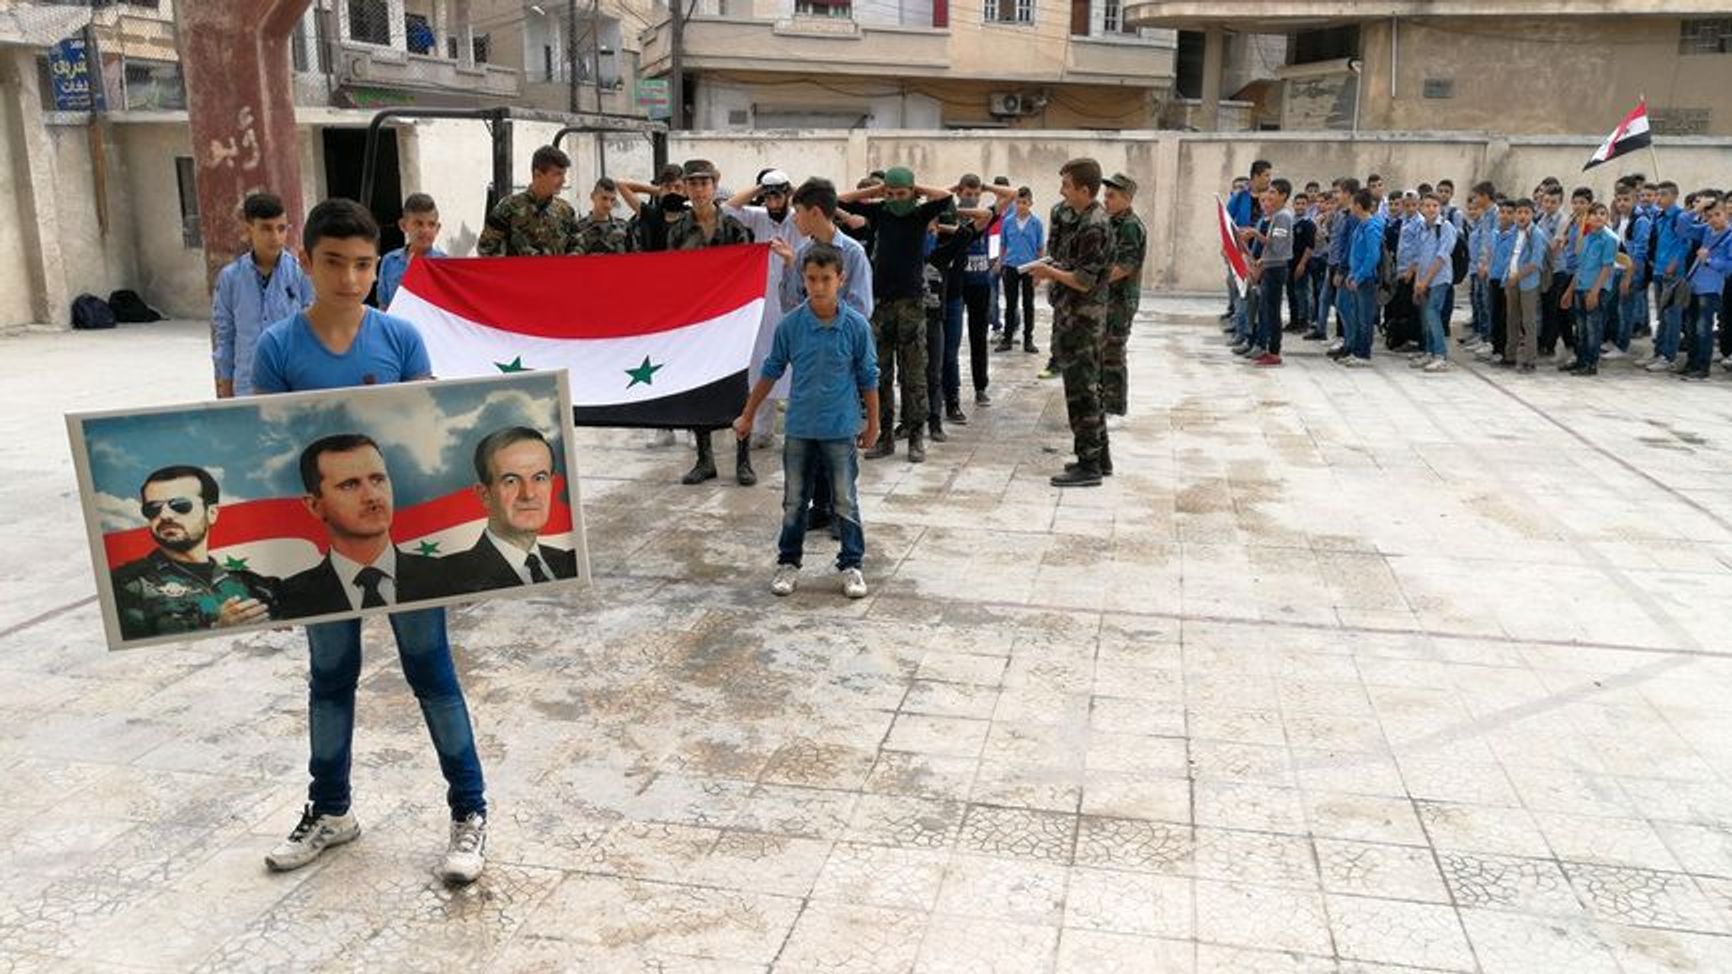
(1630, 135)
(1231, 253)
(659, 340)
(219, 517)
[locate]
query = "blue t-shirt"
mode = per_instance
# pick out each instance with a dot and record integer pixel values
(291, 358)
(833, 363)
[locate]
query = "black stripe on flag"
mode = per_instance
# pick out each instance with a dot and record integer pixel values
(714, 405)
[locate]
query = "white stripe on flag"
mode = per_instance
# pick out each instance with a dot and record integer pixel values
(680, 359)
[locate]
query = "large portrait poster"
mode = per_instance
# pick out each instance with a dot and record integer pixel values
(217, 517)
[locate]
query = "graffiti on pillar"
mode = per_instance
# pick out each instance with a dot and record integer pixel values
(241, 150)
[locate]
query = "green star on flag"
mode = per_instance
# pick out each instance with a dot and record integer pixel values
(644, 373)
(427, 548)
(515, 365)
(233, 564)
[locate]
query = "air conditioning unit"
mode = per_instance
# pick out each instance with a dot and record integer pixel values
(1004, 103)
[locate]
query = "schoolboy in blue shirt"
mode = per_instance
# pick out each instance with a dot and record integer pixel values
(1711, 264)
(1590, 289)
(253, 290)
(420, 224)
(338, 342)
(830, 349)
(1363, 258)
(1524, 257)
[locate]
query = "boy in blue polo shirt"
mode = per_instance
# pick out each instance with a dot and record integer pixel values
(339, 342)
(255, 289)
(420, 225)
(1711, 264)
(1590, 288)
(829, 346)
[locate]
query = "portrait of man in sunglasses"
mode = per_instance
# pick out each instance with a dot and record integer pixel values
(179, 587)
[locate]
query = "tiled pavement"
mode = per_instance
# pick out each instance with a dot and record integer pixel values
(1343, 671)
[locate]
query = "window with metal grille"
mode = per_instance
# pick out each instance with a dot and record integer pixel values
(1440, 87)
(824, 8)
(1009, 11)
(153, 86)
(370, 21)
(1706, 36)
(186, 181)
(298, 50)
(1112, 17)
(418, 32)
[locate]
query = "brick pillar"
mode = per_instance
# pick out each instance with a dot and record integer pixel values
(234, 57)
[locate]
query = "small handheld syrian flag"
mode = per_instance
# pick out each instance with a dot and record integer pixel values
(1631, 134)
(657, 340)
(1230, 251)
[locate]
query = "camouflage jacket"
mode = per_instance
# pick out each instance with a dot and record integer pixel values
(158, 596)
(1130, 243)
(594, 236)
(687, 233)
(1061, 220)
(1086, 250)
(523, 226)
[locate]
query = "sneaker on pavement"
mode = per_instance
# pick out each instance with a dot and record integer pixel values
(1437, 365)
(853, 583)
(1253, 353)
(1658, 365)
(466, 853)
(1047, 373)
(1613, 354)
(1266, 360)
(312, 836)
(1418, 361)
(787, 576)
(1355, 362)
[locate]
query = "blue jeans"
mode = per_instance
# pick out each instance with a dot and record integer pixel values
(1431, 316)
(953, 350)
(1325, 301)
(1346, 310)
(1590, 326)
(1365, 318)
(426, 657)
(1702, 336)
(1448, 288)
(1632, 315)
(1671, 329)
(993, 310)
(1245, 316)
(803, 461)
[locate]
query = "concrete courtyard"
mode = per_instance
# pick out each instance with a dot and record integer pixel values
(1344, 671)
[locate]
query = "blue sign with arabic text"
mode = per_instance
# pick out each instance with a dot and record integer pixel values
(69, 72)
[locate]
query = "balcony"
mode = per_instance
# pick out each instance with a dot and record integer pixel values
(809, 45)
(1121, 59)
(1288, 15)
(360, 65)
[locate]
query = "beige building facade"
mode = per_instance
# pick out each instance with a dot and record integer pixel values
(1518, 66)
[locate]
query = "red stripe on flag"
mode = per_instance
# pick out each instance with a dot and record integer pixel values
(286, 518)
(1230, 251)
(598, 296)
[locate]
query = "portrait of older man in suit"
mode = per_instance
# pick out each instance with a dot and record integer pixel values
(349, 489)
(514, 479)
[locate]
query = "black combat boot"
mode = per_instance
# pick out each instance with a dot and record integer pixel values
(916, 445)
(1106, 463)
(1084, 473)
(935, 429)
(953, 413)
(744, 475)
(705, 468)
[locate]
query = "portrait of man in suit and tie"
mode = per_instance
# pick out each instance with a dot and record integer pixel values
(349, 489)
(514, 479)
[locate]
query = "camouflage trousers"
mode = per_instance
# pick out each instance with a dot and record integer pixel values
(899, 331)
(1077, 340)
(1115, 369)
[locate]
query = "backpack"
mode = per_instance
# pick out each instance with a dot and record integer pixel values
(91, 312)
(1458, 259)
(1652, 251)
(130, 308)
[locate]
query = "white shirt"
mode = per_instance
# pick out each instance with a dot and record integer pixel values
(1512, 273)
(347, 570)
(516, 557)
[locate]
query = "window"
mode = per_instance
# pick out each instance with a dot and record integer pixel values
(547, 63)
(481, 48)
(1679, 121)
(1009, 11)
(419, 34)
(1330, 44)
(1440, 87)
(1711, 36)
(153, 86)
(1188, 65)
(370, 21)
(185, 178)
(1113, 18)
(824, 8)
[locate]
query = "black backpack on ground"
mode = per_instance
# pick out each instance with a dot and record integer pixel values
(91, 312)
(129, 307)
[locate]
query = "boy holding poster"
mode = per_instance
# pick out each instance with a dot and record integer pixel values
(338, 342)
(829, 346)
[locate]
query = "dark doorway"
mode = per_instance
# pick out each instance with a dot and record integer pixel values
(345, 150)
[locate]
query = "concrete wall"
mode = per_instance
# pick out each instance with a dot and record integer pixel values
(15, 278)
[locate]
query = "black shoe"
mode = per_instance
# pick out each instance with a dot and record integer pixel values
(1226, 316)
(953, 414)
(1315, 336)
(1586, 370)
(744, 475)
(705, 468)
(885, 447)
(1106, 465)
(900, 432)
(1004, 346)
(1569, 366)
(1083, 474)
(916, 447)
(1029, 348)
(935, 430)
(1338, 353)
(1695, 375)
(981, 398)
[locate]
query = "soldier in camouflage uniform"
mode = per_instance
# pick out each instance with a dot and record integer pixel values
(535, 222)
(1130, 241)
(179, 587)
(1059, 223)
(702, 225)
(600, 232)
(1078, 274)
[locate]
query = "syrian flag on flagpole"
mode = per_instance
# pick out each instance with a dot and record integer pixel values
(1631, 134)
(650, 340)
(1230, 251)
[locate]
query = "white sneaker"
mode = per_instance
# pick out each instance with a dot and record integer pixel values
(466, 853)
(1437, 365)
(1416, 356)
(1340, 343)
(1564, 355)
(1355, 362)
(1658, 365)
(1612, 355)
(787, 576)
(312, 836)
(1645, 361)
(853, 583)
(1419, 361)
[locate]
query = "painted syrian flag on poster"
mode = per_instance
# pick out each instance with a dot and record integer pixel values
(650, 340)
(1631, 134)
(1230, 250)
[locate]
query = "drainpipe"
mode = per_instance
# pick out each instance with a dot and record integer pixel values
(1394, 54)
(1357, 66)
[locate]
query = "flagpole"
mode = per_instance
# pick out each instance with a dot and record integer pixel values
(1653, 156)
